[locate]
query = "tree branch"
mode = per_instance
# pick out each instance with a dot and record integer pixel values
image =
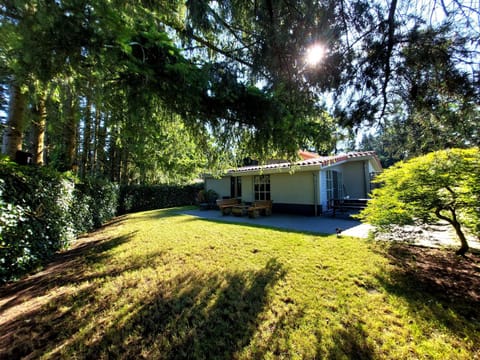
(215, 48)
(390, 43)
(227, 26)
(443, 217)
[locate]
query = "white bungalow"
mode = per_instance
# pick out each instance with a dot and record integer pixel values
(305, 187)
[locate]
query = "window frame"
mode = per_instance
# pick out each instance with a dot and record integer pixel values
(262, 187)
(334, 185)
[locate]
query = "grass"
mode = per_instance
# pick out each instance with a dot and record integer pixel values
(164, 286)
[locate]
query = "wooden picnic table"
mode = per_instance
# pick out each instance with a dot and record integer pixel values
(226, 205)
(260, 206)
(240, 210)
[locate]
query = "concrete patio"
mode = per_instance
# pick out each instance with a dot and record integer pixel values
(440, 235)
(314, 224)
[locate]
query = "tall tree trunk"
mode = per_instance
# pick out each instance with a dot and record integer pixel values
(124, 166)
(390, 44)
(87, 134)
(13, 135)
(100, 153)
(70, 131)
(95, 141)
(39, 127)
(114, 156)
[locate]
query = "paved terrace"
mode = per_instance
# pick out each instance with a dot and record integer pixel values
(438, 236)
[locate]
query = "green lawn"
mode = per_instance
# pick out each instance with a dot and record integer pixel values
(164, 286)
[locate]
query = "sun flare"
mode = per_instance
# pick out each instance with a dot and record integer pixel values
(314, 54)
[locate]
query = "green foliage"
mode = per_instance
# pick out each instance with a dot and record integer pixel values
(117, 72)
(10, 215)
(206, 199)
(440, 185)
(42, 199)
(41, 212)
(135, 198)
(100, 197)
(378, 53)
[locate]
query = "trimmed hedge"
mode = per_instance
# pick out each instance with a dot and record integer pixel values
(135, 198)
(102, 197)
(42, 211)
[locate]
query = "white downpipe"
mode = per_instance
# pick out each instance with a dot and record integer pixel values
(315, 193)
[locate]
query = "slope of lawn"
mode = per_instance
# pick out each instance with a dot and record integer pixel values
(160, 285)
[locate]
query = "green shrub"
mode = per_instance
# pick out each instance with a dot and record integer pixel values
(442, 185)
(135, 198)
(42, 211)
(207, 199)
(36, 212)
(10, 217)
(80, 213)
(101, 196)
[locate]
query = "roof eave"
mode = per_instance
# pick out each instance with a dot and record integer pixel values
(305, 165)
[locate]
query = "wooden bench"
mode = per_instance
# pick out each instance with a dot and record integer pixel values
(226, 205)
(260, 207)
(347, 204)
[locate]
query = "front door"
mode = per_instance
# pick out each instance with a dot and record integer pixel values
(235, 187)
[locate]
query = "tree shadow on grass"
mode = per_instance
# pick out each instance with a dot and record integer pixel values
(350, 342)
(37, 296)
(437, 285)
(158, 213)
(207, 316)
(67, 267)
(196, 315)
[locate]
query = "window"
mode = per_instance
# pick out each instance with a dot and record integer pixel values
(261, 184)
(235, 187)
(334, 185)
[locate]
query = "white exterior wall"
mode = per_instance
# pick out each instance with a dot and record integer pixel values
(354, 178)
(247, 189)
(294, 188)
(220, 186)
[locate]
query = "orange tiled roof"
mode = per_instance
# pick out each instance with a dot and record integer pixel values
(305, 155)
